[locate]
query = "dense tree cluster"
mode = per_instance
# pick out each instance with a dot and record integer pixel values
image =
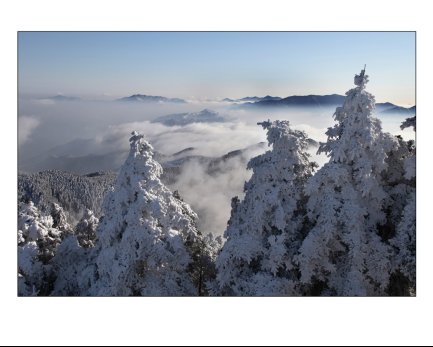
(357, 236)
(73, 192)
(347, 229)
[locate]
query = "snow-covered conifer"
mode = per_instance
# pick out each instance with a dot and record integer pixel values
(38, 240)
(405, 236)
(410, 164)
(404, 260)
(70, 265)
(142, 237)
(203, 270)
(397, 185)
(60, 219)
(343, 254)
(86, 229)
(264, 230)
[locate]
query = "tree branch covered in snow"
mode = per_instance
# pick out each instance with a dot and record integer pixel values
(409, 122)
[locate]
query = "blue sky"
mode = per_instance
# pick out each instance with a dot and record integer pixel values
(216, 65)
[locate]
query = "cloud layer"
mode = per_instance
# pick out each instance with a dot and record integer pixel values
(26, 125)
(93, 136)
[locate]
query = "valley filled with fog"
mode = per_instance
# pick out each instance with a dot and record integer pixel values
(82, 137)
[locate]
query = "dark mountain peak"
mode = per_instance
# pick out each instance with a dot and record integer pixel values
(252, 99)
(249, 98)
(272, 98)
(206, 111)
(312, 100)
(385, 104)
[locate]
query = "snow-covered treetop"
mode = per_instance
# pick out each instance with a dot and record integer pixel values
(141, 154)
(34, 226)
(86, 229)
(357, 136)
(138, 185)
(60, 219)
(362, 79)
(288, 152)
(280, 135)
(287, 161)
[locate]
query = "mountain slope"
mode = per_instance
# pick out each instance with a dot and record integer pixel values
(319, 101)
(204, 116)
(71, 191)
(151, 99)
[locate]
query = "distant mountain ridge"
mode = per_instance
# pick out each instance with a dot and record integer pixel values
(389, 108)
(296, 100)
(314, 100)
(267, 101)
(203, 116)
(151, 99)
(253, 99)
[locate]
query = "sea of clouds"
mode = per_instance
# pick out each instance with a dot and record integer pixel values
(86, 136)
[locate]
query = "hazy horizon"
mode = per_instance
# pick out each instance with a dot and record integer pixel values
(102, 97)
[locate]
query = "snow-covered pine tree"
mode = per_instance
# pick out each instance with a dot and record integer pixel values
(73, 267)
(203, 270)
(396, 184)
(60, 219)
(410, 164)
(265, 228)
(38, 240)
(86, 229)
(203, 251)
(73, 263)
(404, 264)
(142, 237)
(343, 253)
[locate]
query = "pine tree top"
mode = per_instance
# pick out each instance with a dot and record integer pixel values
(362, 79)
(139, 145)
